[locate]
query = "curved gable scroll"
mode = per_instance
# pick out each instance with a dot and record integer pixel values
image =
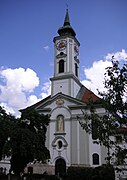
(58, 138)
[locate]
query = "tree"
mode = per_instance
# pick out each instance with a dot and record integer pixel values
(113, 122)
(23, 139)
(28, 140)
(6, 123)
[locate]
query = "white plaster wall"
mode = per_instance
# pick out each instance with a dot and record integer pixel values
(65, 152)
(76, 89)
(61, 86)
(94, 148)
(66, 86)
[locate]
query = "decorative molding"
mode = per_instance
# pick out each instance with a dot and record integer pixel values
(54, 142)
(59, 133)
(60, 101)
(67, 76)
(61, 55)
(76, 59)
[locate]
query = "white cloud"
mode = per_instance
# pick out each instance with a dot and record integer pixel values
(51, 64)
(118, 55)
(32, 99)
(95, 74)
(21, 79)
(46, 48)
(46, 89)
(17, 84)
(7, 108)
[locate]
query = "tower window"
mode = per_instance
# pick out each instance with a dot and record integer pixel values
(76, 69)
(61, 66)
(60, 123)
(95, 157)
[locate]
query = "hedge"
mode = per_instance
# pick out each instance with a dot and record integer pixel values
(104, 172)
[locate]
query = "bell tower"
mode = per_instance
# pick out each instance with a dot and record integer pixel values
(66, 61)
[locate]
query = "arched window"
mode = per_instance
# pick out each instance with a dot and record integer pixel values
(60, 123)
(95, 157)
(76, 69)
(61, 66)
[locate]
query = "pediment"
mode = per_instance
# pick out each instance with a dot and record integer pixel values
(58, 100)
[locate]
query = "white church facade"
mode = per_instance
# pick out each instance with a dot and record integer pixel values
(68, 143)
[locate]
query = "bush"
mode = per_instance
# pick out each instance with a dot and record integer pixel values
(33, 176)
(40, 177)
(51, 177)
(3, 177)
(79, 173)
(104, 172)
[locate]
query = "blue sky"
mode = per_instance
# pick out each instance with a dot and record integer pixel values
(27, 29)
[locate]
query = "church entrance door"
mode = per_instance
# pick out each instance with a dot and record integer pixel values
(60, 167)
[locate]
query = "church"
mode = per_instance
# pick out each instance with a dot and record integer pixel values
(68, 143)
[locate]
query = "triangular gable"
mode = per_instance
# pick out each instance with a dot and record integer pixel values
(42, 105)
(83, 98)
(60, 96)
(36, 104)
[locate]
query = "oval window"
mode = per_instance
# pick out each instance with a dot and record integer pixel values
(60, 144)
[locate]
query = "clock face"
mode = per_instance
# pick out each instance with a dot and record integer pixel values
(61, 45)
(76, 49)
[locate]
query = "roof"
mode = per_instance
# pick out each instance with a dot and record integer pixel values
(66, 29)
(87, 96)
(36, 104)
(84, 97)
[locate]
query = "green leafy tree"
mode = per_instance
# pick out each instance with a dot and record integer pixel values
(114, 121)
(27, 140)
(6, 123)
(23, 139)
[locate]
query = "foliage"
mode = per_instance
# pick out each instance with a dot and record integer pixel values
(28, 140)
(40, 177)
(103, 172)
(37, 124)
(113, 121)
(51, 177)
(23, 139)
(3, 177)
(79, 173)
(89, 173)
(6, 123)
